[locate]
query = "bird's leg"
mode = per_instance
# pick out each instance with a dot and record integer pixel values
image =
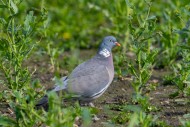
(87, 104)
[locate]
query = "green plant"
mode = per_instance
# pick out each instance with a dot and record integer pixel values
(21, 93)
(182, 73)
(16, 45)
(181, 69)
(172, 18)
(141, 38)
(133, 115)
(53, 54)
(145, 120)
(58, 115)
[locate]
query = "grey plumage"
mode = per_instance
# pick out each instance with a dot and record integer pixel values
(90, 79)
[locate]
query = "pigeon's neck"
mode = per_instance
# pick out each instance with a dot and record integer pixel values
(104, 52)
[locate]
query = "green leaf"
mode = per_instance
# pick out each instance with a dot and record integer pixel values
(86, 117)
(134, 108)
(3, 6)
(4, 121)
(29, 21)
(14, 7)
(2, 21)
(183, 46)
(3, 44)
(152, 17)
(129, 4)
(134, 121)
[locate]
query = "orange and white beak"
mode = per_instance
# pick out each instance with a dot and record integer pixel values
(117, 43)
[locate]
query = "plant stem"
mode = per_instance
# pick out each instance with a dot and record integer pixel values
(148, 13)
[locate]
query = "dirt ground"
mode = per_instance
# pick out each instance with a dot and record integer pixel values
(118, 93)
(170, 110)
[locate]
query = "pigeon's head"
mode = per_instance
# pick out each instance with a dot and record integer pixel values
(108, 43)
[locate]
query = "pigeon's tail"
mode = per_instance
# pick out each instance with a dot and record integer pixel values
(59, 87)
(43, 103)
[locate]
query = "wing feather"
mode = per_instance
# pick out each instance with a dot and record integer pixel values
(88, 79)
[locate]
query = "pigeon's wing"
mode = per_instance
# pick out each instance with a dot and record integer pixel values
(89, 79)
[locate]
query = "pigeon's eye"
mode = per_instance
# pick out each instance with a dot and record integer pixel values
(110, 40)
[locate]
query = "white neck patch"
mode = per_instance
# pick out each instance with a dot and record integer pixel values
(105, 53)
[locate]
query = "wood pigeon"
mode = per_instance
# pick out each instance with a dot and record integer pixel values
(90, 79)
